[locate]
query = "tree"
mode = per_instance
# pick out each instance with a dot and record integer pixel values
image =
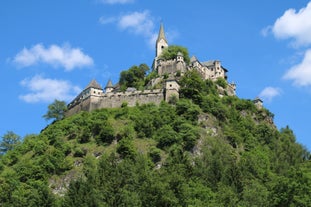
(56, 110)
(171, 51)
(133, 77)
(9, 141)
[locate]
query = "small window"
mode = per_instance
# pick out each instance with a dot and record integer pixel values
(170, 85)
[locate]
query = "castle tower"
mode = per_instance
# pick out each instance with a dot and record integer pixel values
(109, 87)
(171, 89)
(258, 103)
(161, 42)
(180, 57)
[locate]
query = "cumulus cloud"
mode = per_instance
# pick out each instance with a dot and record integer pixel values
(268, 93)
(47, 90)
(138, 23)
(301, 73)
(116, 1)
(57, 56)
(294, 24)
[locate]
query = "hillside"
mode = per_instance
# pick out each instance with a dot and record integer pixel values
(200, 150)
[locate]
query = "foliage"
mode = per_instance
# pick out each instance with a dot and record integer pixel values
(133, 77)
(171, 51)
(9, 141)
(56, 110)
(205, 150)
(221, 82)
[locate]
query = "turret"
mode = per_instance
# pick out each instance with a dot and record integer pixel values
(171, 89)
(258, 103)
(180, 57)
(109, 87)
(93, 88)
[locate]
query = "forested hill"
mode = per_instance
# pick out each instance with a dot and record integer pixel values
(200, 150)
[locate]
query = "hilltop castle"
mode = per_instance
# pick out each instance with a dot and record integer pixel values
(95, 97)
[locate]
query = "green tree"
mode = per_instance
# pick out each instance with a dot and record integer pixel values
(56, 110)
(171, 51)
(9, 141)
(133, 77)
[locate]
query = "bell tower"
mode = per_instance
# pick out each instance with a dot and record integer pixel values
(161, 41)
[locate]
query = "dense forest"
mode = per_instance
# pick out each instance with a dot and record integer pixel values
(198, 150)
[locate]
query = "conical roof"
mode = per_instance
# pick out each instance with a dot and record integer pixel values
(93, 84)
(109, 84)
(193, 59)
(161, 34)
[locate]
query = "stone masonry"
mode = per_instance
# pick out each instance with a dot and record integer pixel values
(95, 97)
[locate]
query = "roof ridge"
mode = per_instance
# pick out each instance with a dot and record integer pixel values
(93, 84)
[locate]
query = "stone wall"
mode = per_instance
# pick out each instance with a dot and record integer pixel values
(115, 100)
(82, 106)
(171, 67)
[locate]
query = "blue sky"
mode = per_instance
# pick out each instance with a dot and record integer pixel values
(53, 49)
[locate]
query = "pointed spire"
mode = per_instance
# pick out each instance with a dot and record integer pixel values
(161, 34)
(109, 84)
(93, 84)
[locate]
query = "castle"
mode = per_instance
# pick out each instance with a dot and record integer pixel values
(95, 97)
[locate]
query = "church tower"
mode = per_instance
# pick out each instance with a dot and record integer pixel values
(161, 42)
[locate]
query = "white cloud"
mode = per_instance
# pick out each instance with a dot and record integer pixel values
(301, 73)
(64, 56)
(107, 20)
(268, 93)
(138, 23)
(47, 90)
(116, 1)
(296, 25)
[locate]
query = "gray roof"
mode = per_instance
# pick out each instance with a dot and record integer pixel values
(193, 59)
(208, 63)
(93, 84)
(257, 99)
(180, 53)
(161, 34)
(109, 84)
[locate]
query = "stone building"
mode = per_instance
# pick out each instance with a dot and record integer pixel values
(95, 97)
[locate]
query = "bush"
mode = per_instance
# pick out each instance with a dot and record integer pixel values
(126, 149)
(221, 82)
(155, 154)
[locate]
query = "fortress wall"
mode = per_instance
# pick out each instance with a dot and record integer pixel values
(116, 100)
(83, 106)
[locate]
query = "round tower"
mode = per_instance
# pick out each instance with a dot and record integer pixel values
(180, 57)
